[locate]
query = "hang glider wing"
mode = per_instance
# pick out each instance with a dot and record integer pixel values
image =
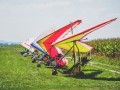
(27, 44)
(46, 41)
(82, 47)
(35, 45)
(68, 41)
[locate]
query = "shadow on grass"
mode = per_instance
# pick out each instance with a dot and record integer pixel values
(93, 75)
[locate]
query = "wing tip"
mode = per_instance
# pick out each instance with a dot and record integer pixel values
(114, 19)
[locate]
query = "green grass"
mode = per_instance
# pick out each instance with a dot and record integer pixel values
(19, 73)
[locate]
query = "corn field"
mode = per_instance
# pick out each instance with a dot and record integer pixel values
(107, 47)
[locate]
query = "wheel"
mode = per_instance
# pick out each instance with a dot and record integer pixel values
(38, 65)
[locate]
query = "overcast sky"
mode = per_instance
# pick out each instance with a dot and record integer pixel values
(22, 19)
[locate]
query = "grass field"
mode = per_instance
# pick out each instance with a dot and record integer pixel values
(19, 73)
